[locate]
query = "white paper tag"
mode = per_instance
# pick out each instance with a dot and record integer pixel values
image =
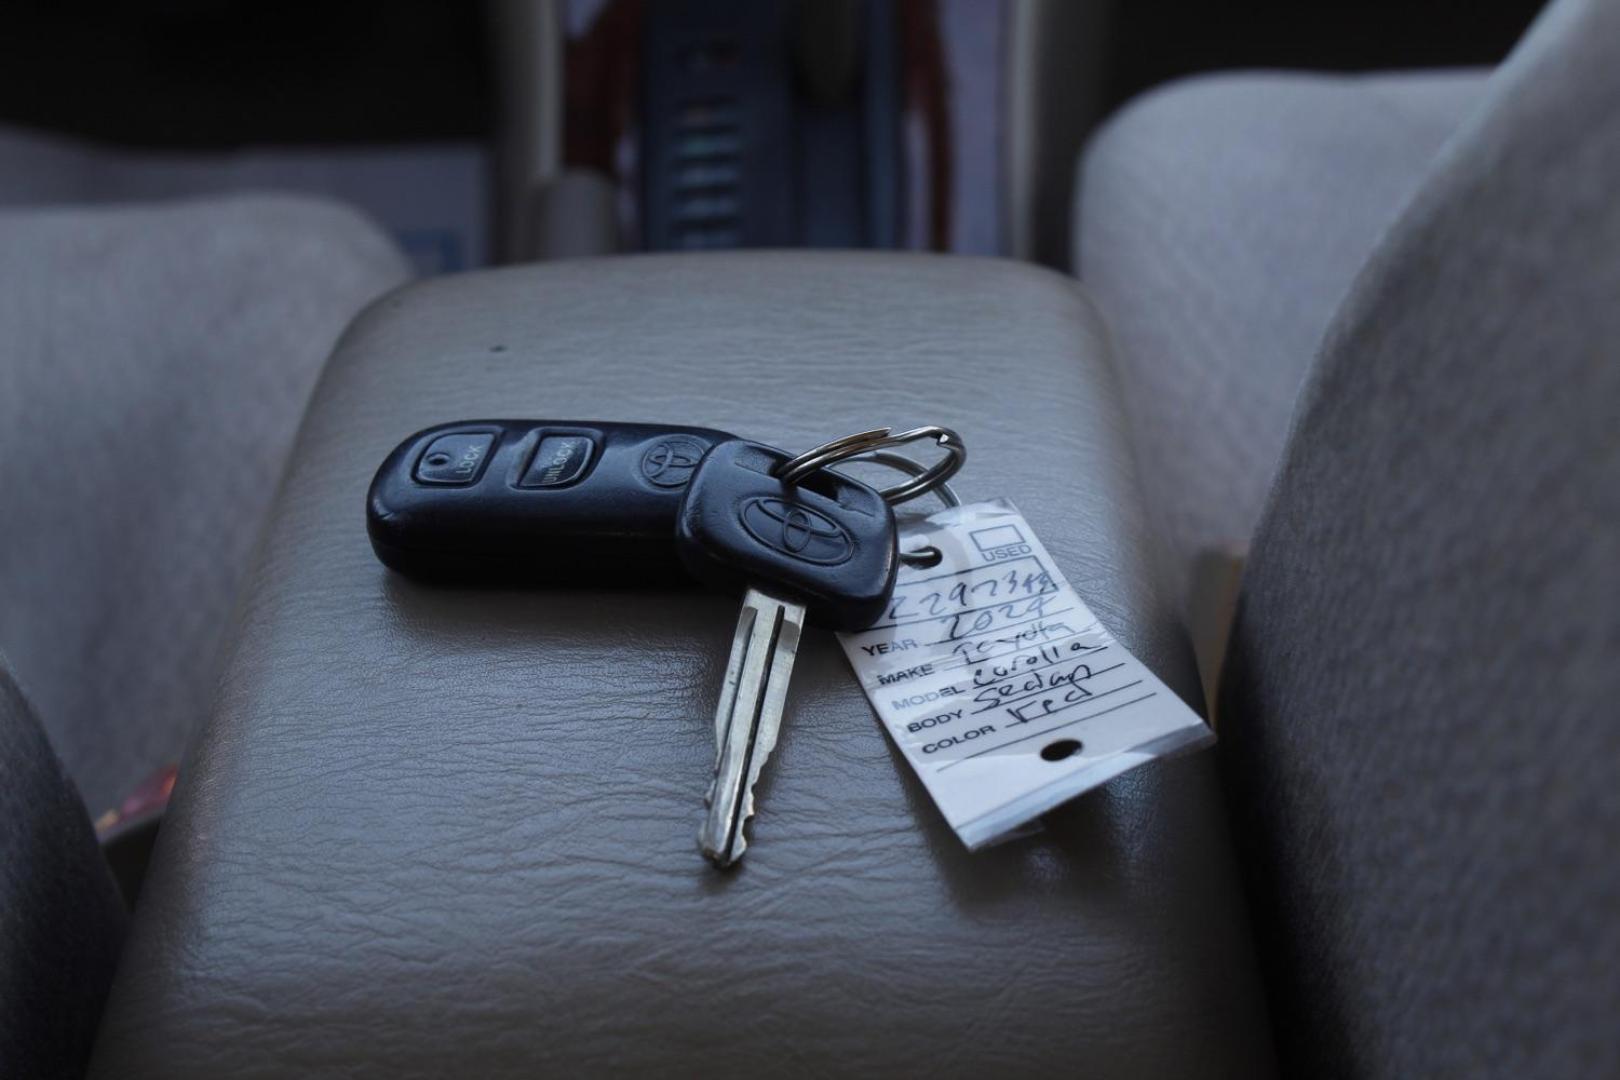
(999, 685)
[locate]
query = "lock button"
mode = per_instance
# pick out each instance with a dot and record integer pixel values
(458, 458)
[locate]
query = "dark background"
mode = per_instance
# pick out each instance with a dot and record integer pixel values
(205, 73)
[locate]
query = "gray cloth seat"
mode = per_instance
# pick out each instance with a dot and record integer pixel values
(1221, 220)
(1417, 713)
(1419, 705)
(61, 918)
(154, 363)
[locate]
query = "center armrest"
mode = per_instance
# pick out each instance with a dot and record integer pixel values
(432, 831)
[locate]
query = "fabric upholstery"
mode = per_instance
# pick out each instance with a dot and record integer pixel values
(1420, 726)
(435, 832)
(61, 918)
(154, 362)
(1220, 222)
(430, 197)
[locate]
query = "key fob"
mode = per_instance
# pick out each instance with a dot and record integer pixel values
(535, 501)
(827, 542)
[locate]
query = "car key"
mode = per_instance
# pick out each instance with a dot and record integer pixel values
(535, 501)
(823, 548)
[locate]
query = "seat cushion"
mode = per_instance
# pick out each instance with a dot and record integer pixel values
(1220, 222)
(437, 832)
(430, 197)
(154, 363)
(1420, 716)
(61, 918)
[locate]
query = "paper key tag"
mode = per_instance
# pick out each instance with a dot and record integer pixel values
(999, 685)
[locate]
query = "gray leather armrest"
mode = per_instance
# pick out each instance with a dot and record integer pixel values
(437, 832)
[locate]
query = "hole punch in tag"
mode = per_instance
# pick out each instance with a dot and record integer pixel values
(999, 685)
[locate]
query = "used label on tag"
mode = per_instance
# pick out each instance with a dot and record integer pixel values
(1001, 688)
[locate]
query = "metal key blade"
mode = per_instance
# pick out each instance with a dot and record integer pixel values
(749, 717)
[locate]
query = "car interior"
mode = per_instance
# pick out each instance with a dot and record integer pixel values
(810, 538)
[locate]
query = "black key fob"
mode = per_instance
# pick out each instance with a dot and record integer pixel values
(556, 502)
(827, 543)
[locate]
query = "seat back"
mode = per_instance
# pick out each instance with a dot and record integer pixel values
(1419, 712)
(61, 918)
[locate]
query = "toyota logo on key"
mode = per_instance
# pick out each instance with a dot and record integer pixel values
(796, 530)
(669, 462)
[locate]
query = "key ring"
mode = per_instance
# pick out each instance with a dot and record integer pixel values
(911, 466)
(864, 442)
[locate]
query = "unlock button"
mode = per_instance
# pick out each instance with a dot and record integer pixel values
(558, 460)
(455, 459)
